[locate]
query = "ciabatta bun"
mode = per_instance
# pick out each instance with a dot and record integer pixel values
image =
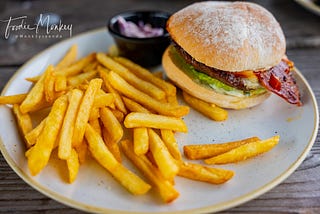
(230, 36)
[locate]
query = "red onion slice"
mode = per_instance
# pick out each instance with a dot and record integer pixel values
(142, 30)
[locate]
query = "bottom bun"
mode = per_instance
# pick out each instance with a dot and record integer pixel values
(184, 82)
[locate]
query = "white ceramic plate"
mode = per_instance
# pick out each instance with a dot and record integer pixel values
(310, 5)
(94, 190)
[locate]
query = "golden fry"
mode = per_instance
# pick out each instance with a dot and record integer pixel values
(138, 119)
(207, 109)
(41, 151)
(69, 58)
(82, 151)
(66, 133)
(94, 114)
(140, 141)
(113, 50)
(111, 124)
(112, 146)
(42, 104)
(172, 99)
(91, 66)
(98, 149)
(167, 165)
(49, 82)
(131, 78)
(73, 165)
(118, 100)
(33, 79)
(36, 94)
(82, 77)
(131, 181)
(60, 83)
(118, 114)
(12, 99)
(163, 108)
(167, 191)
(113, 131)
(147, 75)
(171, 143)
(76, 67)
(100, 152)
(24, 121)
(201, 151)
(84, 111)
(203, 173)
(95, 124)
(134, 106)
(103, 99)
(32, 136)
(244, 152)
(158, 74)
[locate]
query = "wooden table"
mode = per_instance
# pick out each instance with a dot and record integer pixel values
(300, 193)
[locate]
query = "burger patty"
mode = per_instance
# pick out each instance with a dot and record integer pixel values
(229, 78)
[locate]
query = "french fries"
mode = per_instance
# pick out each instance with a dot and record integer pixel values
(103, 99)
(118, 100)
(66, 134)
(100, 152)
(140, 140)
(163, 108)
(171, 143)
(114, 131)
(147, 75)
(203, 173)
(245, 151)
(82, 151)
(96, 100)
(138, 119)
(60, 83)
(202, 151)
(36, 94)
(12, 99)
(165, 188)
(49, 82)
(134, 106)
(41, 151)
(166, 163)
(84, 111)
(32, 136)
(73, 165)
(111, 124)
(69, 58)
(132, 79)
(210, 110)
(80, 78)
(76, 67)
(24, 120)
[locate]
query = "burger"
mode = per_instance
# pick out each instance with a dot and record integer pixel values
(229, 53)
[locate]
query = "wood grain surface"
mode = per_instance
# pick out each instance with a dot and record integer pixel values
(299, 193)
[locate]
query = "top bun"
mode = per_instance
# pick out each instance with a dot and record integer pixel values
(229, 36)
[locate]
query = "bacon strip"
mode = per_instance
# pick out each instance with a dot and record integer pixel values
(279, 80)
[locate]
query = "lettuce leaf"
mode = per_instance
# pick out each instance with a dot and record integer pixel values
(207, 81)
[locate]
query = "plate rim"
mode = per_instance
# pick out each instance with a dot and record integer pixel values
(211, 208)
(310, 6)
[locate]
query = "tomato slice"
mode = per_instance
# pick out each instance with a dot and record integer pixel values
(274, 82)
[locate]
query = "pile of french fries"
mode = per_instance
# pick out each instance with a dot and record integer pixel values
(93, 101)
